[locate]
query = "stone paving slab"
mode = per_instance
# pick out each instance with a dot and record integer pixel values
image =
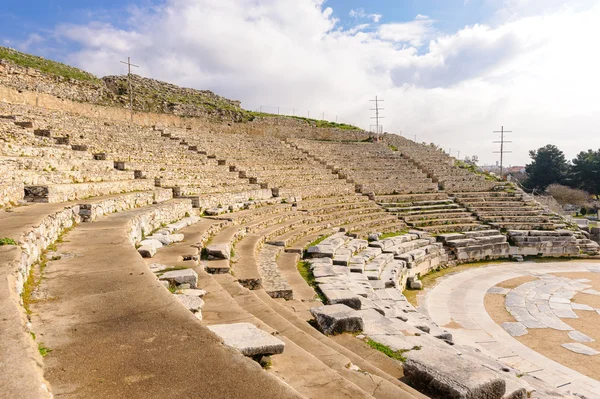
(515, 329)
(580, 337)
(580, 348)
(459, 298)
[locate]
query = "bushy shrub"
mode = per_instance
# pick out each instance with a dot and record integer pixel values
(567, 195)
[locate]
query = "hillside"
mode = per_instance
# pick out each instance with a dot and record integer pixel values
(29, 72)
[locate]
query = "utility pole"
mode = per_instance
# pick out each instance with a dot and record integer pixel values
(378, 127)
(502, 152)
(129, 65)
(458, 156)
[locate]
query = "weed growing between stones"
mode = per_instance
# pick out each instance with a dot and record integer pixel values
(308, 276)
(393, 234)
(44, 351)
(7, 241)
(264, 361)
(389, 352)
(32, 283)
(317, 241)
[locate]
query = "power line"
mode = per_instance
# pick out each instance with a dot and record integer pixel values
(129, 65)
(502, 152)
(377, 117)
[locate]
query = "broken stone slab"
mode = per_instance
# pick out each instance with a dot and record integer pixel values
(193, 303)
(336, 319)
(374, 236)
(167, 239)
(498, 290)
(580, 337)
(342, 256)
(514, 329)
(219, 251)
(147, 251)
(248, 339)
(416, 285)
(194, 292)
(323, 271)
(178, 277)
(150, 242)
(158, 267)
(581, 349)
(337, 295)
(314, 262)
(581, 306)
(442, 372)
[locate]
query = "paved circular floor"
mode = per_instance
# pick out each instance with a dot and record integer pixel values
(457, 303)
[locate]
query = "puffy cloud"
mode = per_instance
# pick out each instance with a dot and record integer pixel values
(360, 13)
(413, 32)
(535, 74)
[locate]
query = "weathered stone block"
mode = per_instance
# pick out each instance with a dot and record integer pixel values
(147, 251)
(248, 339)
(178, 277)
(335, 319)
(443, 373)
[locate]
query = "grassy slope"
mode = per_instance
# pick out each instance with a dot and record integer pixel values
(47, 66)
(58, 69)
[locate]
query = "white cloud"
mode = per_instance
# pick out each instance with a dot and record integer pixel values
(360, 13)
(413, 32)
(535, 74)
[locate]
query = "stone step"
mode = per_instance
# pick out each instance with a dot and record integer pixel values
(450, 214)
(515, 219)
(461, 195)
(409, 209)
(523, 226)
(497, 205)
(450, 228)
(54, 193)
(407, 198)
(441, 221)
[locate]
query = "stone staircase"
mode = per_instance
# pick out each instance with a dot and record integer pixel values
(506, 210)
(433, 213)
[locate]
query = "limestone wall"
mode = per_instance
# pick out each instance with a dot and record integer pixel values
(144, 223)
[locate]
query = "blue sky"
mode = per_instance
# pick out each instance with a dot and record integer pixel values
(450, 71)
(19, 19)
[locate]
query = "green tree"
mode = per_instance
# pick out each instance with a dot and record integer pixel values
(585, 173)
(548, 166)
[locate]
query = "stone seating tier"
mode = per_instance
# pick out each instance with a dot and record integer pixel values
(53, 193)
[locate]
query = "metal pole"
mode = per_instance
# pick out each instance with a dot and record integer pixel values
(129, 65)
(502, 152)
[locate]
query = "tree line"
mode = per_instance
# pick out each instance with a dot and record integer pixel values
(550, 166)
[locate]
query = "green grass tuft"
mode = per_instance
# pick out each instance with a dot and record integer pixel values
(393, 234)
(308, 276)
(317, 241)
(44, 351)
(389, 352)
(7, 241)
